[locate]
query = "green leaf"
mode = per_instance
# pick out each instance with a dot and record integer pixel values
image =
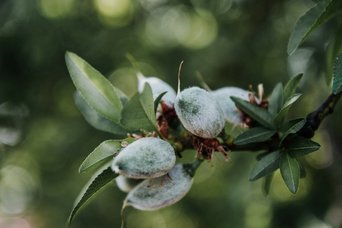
(96, 183)
(267, 184)
(291, 86)
(276, 99)
(281, 116)
(299, 146)
(105, 151)
(139, 113)
(253, 135)
(261, 115)
(96, 90)
(266, 165)
(292, 100)
(337, 75)
(290, 171)
(294, 127)
(157, 101)
(314, 17)
(96, 120)
(332, 51)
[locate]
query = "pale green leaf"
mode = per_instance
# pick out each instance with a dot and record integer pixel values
(96, 183)
(147, 103)
(314, 17)
(260, 115)
(96, 120)
(276, 99)
(139, 113)
(291, 86)
(96, 90)
(266, 165)
(105, 151)
(290, 171)
(337, 75)
(253, 135)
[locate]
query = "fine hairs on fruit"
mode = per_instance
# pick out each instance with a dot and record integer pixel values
(158, 86)
(156, 193)
(230, 111)
(199, 112)
(145, 158)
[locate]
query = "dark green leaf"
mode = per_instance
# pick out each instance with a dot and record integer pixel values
(291, 86)
(314, 17)
(290, 171)
(281, 116)
(253, 135)
(276, 99)
(105, 151)
(266, 165)
(293, 128)
(267, 184)
(157, 101)
(337, 75)
(299, 146)
(96, 120)
(139, 113)
(261, 115)
(96, 183)
(96, 90)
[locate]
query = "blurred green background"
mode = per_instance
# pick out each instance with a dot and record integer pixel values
(230, 42)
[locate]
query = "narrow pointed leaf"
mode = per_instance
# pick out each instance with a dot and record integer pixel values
(293, 128)
(314, 17)
(96, 90)
(299, 146)
(292, 100)
(281, 116)
(266, 165)
(291, 86)
(267, 184)
(260, 115)
(337, 75)
(157, 101)
(105, 151)
(96, 183)
(276, 99)
(290, 171)
(147, 103)
(96, 120)
(253, 135)
(139, 113)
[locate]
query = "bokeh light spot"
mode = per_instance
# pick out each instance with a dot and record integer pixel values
(114, 13)
(56, 8)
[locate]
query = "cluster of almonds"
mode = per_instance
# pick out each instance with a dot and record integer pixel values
(147, 167)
